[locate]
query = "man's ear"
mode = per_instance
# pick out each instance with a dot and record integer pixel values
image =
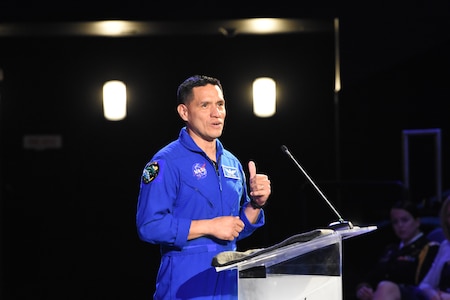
(182, 111)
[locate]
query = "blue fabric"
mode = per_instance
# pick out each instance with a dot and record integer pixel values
(436, 235)
(187, 187)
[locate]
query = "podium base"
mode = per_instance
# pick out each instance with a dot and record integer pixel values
(276, 287)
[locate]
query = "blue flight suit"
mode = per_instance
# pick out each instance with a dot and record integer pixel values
(181, 184)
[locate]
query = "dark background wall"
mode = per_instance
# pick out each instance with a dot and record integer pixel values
(67, 214)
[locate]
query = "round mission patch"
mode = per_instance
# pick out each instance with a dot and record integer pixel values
(150, 172)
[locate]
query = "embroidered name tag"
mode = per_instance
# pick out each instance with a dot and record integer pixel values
(230, 172)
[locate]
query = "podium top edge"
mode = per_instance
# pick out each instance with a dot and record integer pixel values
(355, 231)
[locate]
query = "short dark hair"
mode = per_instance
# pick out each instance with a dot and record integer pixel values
(184, 91)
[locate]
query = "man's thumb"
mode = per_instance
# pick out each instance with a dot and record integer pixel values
(252, 169)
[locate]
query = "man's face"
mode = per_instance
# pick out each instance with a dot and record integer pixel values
(205, 113)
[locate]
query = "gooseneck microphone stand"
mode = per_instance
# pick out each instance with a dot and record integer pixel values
(341, 223)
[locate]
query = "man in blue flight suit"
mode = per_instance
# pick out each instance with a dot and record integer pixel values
(194, 202)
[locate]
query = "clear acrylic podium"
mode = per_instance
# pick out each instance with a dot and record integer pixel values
(305, 266)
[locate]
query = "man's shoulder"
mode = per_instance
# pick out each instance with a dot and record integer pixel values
(230, 156)
(171, 150)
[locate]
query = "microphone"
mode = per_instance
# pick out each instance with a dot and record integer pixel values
(338, 225)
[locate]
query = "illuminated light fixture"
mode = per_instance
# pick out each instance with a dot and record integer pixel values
(114, 100)
(265, 25)
(264, 97)
(114, 28)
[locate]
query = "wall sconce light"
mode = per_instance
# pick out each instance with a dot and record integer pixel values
(114, 100)
(264, 97)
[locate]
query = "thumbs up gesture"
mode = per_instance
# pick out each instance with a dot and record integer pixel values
(259, 186)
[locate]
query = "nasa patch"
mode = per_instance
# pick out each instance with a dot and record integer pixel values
(199, 170)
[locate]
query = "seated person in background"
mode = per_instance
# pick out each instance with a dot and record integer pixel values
(436, 284)
(402, 264)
